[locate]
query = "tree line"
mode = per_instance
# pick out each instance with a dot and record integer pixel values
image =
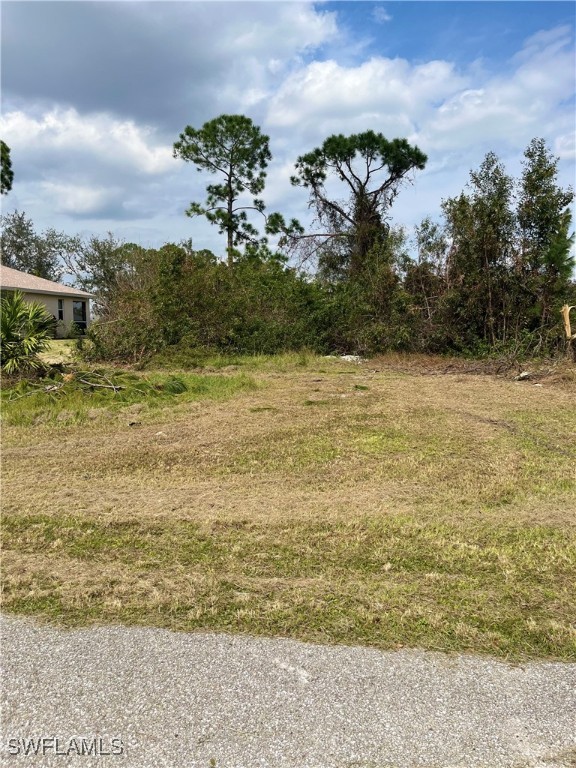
(490, 276)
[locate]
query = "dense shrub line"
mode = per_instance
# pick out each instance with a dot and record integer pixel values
(490, 277)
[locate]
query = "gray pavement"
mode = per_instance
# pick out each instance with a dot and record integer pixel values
(177, 700)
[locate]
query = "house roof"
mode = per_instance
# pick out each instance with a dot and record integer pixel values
(13, 279)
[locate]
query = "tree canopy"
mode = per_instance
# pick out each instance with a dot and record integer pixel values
(6, 172)
(232, 147)
(372, 169)
(24, 249)
(544, 220)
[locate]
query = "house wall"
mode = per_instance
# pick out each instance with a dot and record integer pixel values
(51, 304)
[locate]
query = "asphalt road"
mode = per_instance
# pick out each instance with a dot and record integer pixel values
(163, 699)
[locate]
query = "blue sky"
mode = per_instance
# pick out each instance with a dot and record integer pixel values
(95, 93)
(461, 31)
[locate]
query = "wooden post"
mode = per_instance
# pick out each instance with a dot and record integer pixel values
(570, 337)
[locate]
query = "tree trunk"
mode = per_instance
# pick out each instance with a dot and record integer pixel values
(230, 225)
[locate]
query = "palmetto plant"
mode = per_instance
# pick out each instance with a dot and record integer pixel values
(25, 330)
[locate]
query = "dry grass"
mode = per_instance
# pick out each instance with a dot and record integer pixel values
(388, 504)
(59, 351)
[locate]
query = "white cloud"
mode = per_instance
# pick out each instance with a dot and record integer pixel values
(381, 15)
(278, 29)
(516, 105)
(88, 161)
(435, 105)
(99, 137)
(162, 63)
(380, 91)
(544, 43)
(75, 199)
(565, 146)
(454, 115)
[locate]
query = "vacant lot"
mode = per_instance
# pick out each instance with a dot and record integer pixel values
(384, 503)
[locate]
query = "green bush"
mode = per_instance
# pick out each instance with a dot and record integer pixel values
(26, 329)
(184, 305)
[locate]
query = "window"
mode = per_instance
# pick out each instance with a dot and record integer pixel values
(79, 314)
(60, 309)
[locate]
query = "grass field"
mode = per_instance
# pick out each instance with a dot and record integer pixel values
(59, 351)
(390, 503)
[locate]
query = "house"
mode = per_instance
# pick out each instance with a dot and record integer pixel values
(68, 305)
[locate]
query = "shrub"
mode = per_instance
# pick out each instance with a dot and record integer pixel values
(26, 329)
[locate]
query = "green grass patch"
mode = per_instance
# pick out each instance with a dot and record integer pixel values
(385, 442)
(60, 351)
(186, 359)
(286, 451)
(504, 590)
(77, 400)
(263, 409)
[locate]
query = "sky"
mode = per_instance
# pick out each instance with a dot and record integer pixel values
(94, 94)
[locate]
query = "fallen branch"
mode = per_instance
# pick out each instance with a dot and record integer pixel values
(38, 391)
(115, 387)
